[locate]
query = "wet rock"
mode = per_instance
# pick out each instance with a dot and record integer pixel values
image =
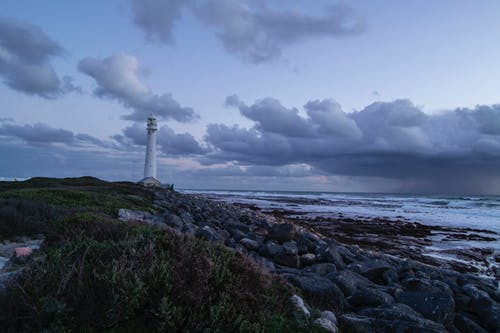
(128, 215)
(289, 260)
(174, 221)
(318, 288)
(300, 305)
(349, 281)
(351, 323)
(399, 318)
(321, 269)
(232, 224)
(331, 254)
(484, 306)
(326, 325)
(330, 316)
(238, 234)
(369, 297)
(263, 262)
(6, 277)
(290, 248)
(189, 229)
(187, 217)
(433, 299)
(208, 233)
(3, 262)
(250, 244)
(465, 324)
(373, 270)
(271, 250)
(307, 259)
(308, 242)
(282, 232)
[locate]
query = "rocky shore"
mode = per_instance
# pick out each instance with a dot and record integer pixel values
(365, 286)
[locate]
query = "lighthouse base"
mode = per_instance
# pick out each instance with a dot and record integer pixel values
(150, 182)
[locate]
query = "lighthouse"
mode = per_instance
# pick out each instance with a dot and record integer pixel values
(150, 161)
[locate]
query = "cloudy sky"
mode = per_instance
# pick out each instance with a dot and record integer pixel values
(361, 95)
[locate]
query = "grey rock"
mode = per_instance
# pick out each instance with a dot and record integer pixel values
(307, 259)
(289, 260)
(208, 233)
(400, 318)
(351, 323)
(484, 306)
(290, 248)
(238, 234)
(330, 316)
(127, 215)
(189, 229)
(3, 262)
(300, 305)
(433, 299)
(372, 269)
(271, 250)
(187, 217)
(322, 268)
(308, 242)
(326, 325)
(465, 324)
(250, 244)
(369, 297)
(232, 224)
(331, 254)
(282, 232)
(263, 262)
(349, 281)
(174, 221)
(318, 288)
(6, 277)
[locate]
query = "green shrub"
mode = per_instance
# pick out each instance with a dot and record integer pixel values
(103, 275)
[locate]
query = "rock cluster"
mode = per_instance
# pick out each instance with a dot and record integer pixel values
(369, 291)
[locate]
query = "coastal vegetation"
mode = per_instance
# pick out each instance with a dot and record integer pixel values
(95, 273)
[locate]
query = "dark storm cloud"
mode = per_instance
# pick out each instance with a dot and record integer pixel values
(169, 142)
(25, 54)
(250, 30)
(385, 139)
(117, 78)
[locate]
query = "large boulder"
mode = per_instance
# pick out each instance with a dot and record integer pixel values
(321, 269)
(271, 250)
(331, 253)
(466, 324)
(349, 281)
(318, 289)
(290, 248)
(282, 232)
(250, 244)
(208, 233)
(290, 260)
(433, 299)
(399, 318)
(484, 307)
(369, 297)
(373, 269)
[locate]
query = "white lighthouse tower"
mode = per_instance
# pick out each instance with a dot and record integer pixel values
(150, 162)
